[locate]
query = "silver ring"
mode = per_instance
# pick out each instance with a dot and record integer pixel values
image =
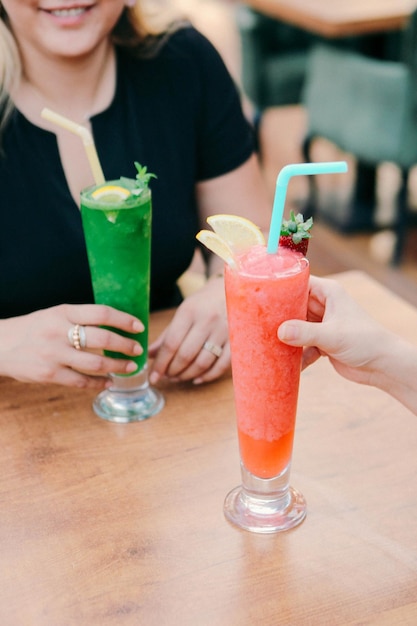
(213, 348)
(77, 337)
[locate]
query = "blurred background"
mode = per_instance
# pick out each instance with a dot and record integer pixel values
(256, 49)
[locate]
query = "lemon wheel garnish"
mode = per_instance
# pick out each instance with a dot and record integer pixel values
(110, 193)
(238, 233)
(216, 244)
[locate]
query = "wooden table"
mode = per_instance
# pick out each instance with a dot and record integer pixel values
(105, 524)
(339, 18)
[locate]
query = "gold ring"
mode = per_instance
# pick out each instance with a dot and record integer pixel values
(213, 348)
(77, 337)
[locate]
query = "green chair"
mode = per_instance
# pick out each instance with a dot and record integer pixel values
(368, 108)
(275, 56)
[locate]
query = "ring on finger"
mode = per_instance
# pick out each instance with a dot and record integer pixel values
(213, 348)
(77, 337)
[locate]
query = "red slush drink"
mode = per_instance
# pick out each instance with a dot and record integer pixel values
(263, 292)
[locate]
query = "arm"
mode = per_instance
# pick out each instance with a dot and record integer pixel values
(358, 347)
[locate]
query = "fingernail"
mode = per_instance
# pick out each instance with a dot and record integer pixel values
(138, 327)
(131, 367)
(137, 349)
(197, 381)
(154, 378)
(287, 332)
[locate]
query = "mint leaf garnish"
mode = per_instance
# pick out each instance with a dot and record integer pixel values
(143, 176)
(296, 227)
(142, 179)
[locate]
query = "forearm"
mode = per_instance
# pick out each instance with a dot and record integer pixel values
(9, 332)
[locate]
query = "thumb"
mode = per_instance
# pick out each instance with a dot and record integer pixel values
(154, 346)
(298, 333)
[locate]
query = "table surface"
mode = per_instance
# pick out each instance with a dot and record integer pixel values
(339, 18)
(106, 524)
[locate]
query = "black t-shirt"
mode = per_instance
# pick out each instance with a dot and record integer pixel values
(179, 114)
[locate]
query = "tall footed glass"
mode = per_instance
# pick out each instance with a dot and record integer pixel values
(116, 220)
(261, 293)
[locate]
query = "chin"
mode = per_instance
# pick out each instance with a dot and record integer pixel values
(71, 47)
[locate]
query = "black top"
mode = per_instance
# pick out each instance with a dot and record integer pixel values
(179, 114)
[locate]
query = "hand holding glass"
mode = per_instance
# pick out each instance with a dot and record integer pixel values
(118, 237)
(265, 286)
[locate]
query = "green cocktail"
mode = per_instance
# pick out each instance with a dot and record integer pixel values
(117, 233)
(116, 220)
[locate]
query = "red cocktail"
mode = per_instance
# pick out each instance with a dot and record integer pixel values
(263, 291)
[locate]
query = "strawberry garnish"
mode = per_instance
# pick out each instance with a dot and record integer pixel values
(295, 233)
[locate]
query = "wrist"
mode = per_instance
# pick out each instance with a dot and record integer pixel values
(396, 369)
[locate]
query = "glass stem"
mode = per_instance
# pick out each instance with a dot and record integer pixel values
(273, 491)
(135, 381)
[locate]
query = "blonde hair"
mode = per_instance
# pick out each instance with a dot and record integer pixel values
(139, 33)
(10, 69)
(144, 28)
(132, 29)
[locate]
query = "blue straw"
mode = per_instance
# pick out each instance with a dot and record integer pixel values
(297, 169)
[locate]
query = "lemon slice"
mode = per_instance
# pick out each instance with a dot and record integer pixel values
(111, 194)
(237, 232)
(216, 244)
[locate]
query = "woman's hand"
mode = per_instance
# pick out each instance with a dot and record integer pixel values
(184, 350)
(36, 347)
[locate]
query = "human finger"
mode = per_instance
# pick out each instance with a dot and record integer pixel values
(71, 378)
(311, 354)
(96, 338)
(165, 347)
(98, 364)
(298, 333)
(206, 357)
(220, 366)
(103, 315)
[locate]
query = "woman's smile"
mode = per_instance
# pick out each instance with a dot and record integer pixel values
(68, 15)
(62, 28)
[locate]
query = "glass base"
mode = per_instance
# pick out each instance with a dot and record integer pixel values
(265, 505)
(129, 399)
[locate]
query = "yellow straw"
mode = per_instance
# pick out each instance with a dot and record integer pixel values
(86, 138)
